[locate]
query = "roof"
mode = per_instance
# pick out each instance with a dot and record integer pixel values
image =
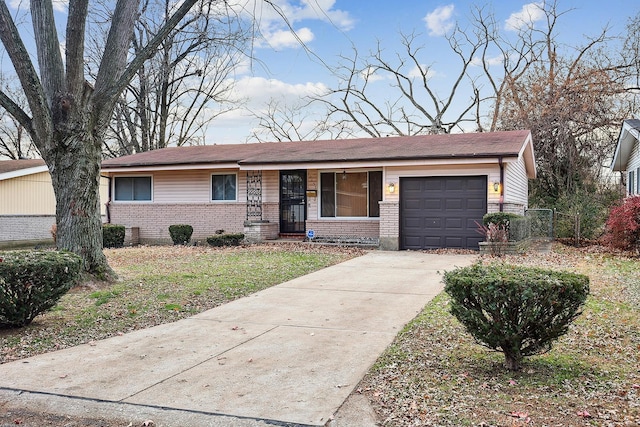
(629, 135)
(420, 147)
(15, 168)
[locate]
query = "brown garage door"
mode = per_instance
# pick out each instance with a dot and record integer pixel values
(441, 212)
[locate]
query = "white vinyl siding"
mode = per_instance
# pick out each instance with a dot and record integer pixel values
(633, 170)
(191, 186)
(516, 187)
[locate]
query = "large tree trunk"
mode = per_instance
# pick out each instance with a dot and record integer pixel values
(75, 173)
(68, 117)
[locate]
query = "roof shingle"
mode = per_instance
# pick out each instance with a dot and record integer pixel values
(16, 165)
(466, 145)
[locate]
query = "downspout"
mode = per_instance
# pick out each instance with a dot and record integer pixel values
(501, 183)
(108, 203)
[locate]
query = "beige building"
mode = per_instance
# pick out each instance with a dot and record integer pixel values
(411, 192)
(28, 204)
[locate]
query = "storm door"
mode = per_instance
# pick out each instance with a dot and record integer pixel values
(293, 202)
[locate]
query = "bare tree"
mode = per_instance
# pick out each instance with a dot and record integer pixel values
(184, 86)
(281, 122)
(15, 142)
(570, 99)
(67, 117)
(418, 106)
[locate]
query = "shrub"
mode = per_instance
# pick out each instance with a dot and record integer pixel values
(112, 235)
(623, 225)
(232, 239)
(180, 233)
(32, 282)
(516, 227)
(517, 310)
(592, 206)
(499, 218)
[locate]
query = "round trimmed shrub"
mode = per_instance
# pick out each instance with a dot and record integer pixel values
(231, 239)
(113, 235)
(180, 233)
(517, 310)
(32, 282)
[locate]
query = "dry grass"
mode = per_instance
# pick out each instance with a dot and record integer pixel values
(162, 284)
(436, 375)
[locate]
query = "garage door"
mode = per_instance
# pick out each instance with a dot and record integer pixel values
(441, 212)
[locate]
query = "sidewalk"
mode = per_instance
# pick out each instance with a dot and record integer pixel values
(288, 355)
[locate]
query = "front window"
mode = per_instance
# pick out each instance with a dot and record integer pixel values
(223, 187)
(132, 188)
(352, 194)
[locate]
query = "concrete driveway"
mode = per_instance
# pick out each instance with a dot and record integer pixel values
(288, 355)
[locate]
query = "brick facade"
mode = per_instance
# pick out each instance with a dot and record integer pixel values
(351, 228)
(154, 219)
(26, 229)
(389, 225)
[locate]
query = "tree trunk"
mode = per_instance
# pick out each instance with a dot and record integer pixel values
(512, 361)
(75, 173)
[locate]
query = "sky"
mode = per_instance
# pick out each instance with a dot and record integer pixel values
(285, 71)
(330, 28)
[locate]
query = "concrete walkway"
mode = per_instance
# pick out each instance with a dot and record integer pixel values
(288, 355)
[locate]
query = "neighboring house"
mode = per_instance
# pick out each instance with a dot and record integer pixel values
(409, 192)
(28, 203)
(626, 159)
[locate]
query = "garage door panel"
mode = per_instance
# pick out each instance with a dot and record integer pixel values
(433, 204)
(432, 242)
(454, 204)
(433, 184)
(476, 204)
(412, 186)
(413, 204)
(454, 223)
(437, 212)
(477, 185)
(454, 242)
(433, 223)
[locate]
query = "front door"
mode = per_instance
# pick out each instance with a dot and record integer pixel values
(293, 202)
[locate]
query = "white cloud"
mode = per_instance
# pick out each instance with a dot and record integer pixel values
(440, 20)
(58, 5)
(286, 39)
(370, 75)
(274, 21)
(261, 90)
(526, 17)
(255, 94)
(416, 72)
(495, 60)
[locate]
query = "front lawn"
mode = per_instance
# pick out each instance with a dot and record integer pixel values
(435, 375)
(162, 284)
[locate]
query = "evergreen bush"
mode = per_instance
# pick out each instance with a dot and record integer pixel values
(231, 239)
(517, 310)
(180, 233)
(32, 282)
(499, 218)
(112, 235)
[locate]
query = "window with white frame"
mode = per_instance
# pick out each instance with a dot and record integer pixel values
(132, 188)
(224, 187)
(350, 194)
